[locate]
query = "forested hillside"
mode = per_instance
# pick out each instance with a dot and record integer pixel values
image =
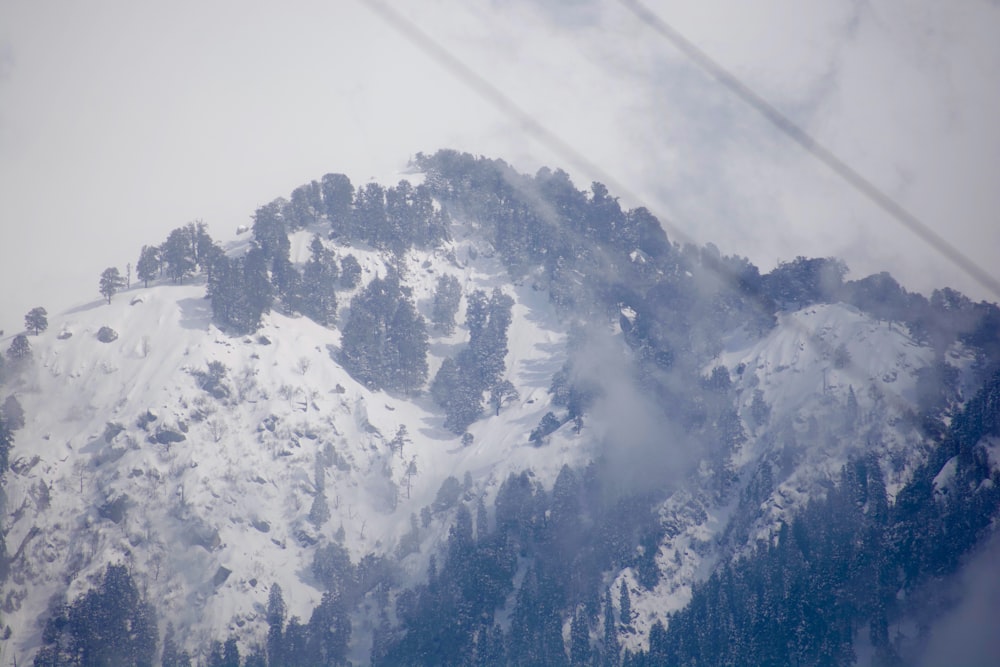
(486, 418)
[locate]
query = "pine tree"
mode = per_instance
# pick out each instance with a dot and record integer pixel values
(6, 442)
(19, 351)
(172, 655)
(269, 228)
(408, 337)
(350, 272)
(338, 201)
(447, 298)
(305, 205)
(384, 341)
(612, 648)
(148, 266)
(111, 282)
(319, 512)
(580, 653)
(230, 653)
(36, 321)
(258, 293)
(275, 627)
(329, 631)
(369, 219)
(178, 254)
(625, 605)
(319, 282)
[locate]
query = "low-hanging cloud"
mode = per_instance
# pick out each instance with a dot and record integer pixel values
(640, 449)
(969, 634)
(120, 123)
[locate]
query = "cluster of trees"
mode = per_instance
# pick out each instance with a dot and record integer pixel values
(384, 342)
(569, 535)
(847, 563)
(461, 383)
(322, 642)
(240, 290)
(109, 625)
(388, 218)
(113, 624)
(6, 443)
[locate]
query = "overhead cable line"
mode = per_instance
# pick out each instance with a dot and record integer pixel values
(503, 103)
(817, 150)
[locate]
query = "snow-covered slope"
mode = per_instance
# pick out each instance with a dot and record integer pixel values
(826, 384)
(205, 490)
(125, 458)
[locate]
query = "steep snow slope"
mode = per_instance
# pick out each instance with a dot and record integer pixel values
(125, 458)
(797, 444)
(205, 492)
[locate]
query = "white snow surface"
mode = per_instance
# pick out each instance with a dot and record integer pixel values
(235, 493)
(793, 366)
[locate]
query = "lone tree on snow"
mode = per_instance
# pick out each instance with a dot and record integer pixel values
(36, 321)
(111, 282)
(19, 350)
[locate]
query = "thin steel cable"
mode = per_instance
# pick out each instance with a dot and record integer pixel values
(505, 105)
(495, 97)
(813, 147)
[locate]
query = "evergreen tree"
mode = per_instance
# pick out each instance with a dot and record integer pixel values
(350, 272)
(384, 341)
(36, 321)
(269, 229)
(108, 626)
(148, 266)
(305, 206)
(447, 298)
(111, 282)
(258, 292)
(177, 253)
(459, 387)
(295, 643)
(215, 658)
(329, 631)
(172, 655)
(625, 605)
(319, 511)
(6, 442)
(369, 220)
(338, 201)
(19, 351)
(319, 281)
(408, 336)
(228, 295)
(612, 649)
(580, 652)
(275, 627)
(401, 222)
(285, 278)
(201, 243)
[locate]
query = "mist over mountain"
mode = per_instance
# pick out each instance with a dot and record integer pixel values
(484, 417)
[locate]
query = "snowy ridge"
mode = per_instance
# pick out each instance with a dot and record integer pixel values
(796, 373)
(205, 489)
(211, 520)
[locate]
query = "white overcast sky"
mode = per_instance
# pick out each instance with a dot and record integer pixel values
(122, 120)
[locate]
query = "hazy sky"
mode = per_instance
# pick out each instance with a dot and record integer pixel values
(120, 120)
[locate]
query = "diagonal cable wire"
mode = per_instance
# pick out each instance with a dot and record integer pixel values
(505, 105)
(820, 152)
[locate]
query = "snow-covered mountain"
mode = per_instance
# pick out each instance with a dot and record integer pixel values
(215, 464)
